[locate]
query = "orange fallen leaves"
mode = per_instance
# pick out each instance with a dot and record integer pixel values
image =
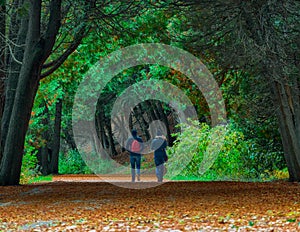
(185, 206)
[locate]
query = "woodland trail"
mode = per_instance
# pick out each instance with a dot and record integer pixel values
(91, 205)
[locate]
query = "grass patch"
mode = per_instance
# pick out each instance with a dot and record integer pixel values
(188, 178)
(39, 179)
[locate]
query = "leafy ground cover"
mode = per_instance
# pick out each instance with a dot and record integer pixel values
(83, 204)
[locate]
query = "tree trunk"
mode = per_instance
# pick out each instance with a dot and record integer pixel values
(44, 151)
(56, 138)
(112, 148)
(284, 85)
(13, 150)
(100, 121)
(144, 123)
(289, 126)
(17, 112)
(22, 88)
(2, 58)
(130, 123)
(2, 62)
(16, 55)
(166, 122)
(43, 157)
(70, 139)
(151, 111)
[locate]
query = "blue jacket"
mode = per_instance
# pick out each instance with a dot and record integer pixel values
(159, 145)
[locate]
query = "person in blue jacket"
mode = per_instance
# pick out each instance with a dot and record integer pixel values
(159, 145)
(135, 146)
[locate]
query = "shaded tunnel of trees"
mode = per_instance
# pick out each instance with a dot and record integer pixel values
(250, 47)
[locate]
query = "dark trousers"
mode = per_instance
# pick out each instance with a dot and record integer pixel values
(159, 171)
(135, 163)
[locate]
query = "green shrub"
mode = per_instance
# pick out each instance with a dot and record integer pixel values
(29, 169)
(72, 163)
(219, 153)
(104, 166)
(260, 161)
(277, 174)
(39, 178)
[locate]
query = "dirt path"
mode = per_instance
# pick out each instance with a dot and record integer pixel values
(173, 206)
(102, 178)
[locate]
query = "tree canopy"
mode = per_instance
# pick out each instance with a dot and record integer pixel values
(250, 47)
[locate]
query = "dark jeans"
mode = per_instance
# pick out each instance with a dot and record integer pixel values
(135, 163)
(159, 171)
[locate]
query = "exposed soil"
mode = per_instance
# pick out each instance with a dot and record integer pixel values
(79, 203)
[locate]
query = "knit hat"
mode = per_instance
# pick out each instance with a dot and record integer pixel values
(134, 132)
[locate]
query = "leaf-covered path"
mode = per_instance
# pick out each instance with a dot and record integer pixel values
(172, 206)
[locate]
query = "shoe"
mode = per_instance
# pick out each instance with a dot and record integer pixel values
(138, 178)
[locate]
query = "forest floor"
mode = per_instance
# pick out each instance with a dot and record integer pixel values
(87, 204)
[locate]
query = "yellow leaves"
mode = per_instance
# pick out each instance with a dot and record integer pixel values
(115, 38)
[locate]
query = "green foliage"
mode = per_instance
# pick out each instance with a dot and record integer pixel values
(72, 163)
(41, 179)
(248, 104)
(264, 164)
(235, 159)
(276, 174)
(104, 166)
(29, 168)
(250, 150)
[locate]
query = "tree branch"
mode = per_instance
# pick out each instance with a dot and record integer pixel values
(58, 62)
(13, 56)
(53, 26)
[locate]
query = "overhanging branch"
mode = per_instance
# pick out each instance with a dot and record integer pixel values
(52, 66)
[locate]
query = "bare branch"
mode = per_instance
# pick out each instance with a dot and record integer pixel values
(7, 41)
(13, 56)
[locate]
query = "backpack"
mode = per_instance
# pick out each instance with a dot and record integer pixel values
(135, 146)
